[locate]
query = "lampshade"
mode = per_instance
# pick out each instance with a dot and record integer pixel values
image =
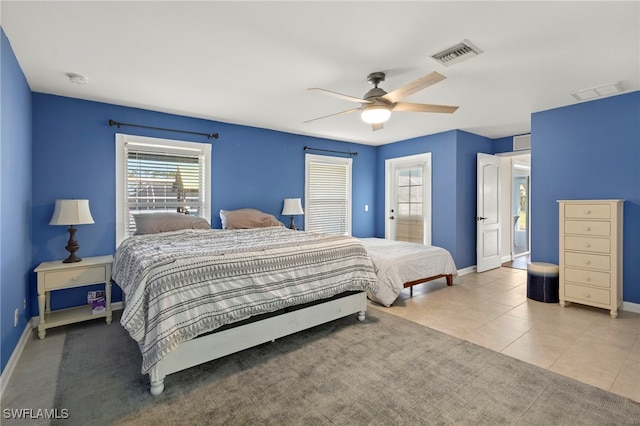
(374, 114)
(71, 212)
(292, 206)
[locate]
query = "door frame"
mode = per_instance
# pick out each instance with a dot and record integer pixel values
(390, 165)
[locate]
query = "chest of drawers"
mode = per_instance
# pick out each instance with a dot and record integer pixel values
(591, 253)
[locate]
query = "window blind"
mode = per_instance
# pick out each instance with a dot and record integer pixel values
(162, 176)
(328, 195)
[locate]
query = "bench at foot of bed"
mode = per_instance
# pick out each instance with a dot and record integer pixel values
(410, 284)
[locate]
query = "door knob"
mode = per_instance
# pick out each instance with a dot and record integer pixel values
(479, 218)
(391, 217)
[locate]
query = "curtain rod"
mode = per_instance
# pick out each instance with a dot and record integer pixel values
(308, 148)
(208, 135)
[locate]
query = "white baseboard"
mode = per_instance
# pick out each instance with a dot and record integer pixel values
(631, 307)
(465, 271)
(15, 356)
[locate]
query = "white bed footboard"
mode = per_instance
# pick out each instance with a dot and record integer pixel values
(216, 345)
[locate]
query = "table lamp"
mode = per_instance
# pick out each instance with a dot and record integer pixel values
(71, 212)
(292, 207)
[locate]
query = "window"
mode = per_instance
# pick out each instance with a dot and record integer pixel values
(327, 194)
(160, 175)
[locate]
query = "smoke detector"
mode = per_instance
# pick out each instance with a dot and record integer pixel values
(458, 53)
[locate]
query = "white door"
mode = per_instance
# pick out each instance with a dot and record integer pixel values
(408, 199)
(488, 213)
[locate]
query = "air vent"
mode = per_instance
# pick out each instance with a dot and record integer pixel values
(457, 53)
(522, 142)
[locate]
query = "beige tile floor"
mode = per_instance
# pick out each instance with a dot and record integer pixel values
(490, 309)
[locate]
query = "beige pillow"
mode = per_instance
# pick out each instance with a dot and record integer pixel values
(246, 219)
(154, 223)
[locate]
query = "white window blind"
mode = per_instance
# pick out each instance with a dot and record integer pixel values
(160, 176)
(328, 194)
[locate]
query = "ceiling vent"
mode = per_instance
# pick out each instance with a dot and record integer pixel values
(457, 53)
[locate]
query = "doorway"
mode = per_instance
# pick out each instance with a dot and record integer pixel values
(520, 205)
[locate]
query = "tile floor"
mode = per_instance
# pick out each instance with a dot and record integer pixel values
(490, 309)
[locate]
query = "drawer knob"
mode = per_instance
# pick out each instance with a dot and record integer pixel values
(74, 279)
(587, 262)
(587, 212)
(587, 245)
(587, 295)
(587, 279)
(587, 228)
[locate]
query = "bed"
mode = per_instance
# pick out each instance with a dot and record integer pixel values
(401, 265)
(191, 294)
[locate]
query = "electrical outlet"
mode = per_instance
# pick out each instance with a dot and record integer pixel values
(16, 315)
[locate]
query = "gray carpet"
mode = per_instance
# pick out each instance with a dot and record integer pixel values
(383, 371)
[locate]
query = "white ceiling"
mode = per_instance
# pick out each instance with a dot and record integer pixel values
(251, 63)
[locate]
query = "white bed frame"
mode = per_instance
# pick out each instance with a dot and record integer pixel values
(216, 345)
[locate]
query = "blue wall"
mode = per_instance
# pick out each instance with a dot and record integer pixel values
(74, 157)
(15, 198)
(587, 151)
(453, 159)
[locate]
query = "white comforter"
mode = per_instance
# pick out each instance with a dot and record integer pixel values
(398, 262)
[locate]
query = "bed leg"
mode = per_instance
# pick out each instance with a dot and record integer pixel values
(449, 280)
(156, 377)
(361, 315)
(411, 291)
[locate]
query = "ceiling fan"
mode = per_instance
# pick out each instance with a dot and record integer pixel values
(377, 104)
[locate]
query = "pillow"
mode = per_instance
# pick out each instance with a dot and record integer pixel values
(154, 223)
(247, 218)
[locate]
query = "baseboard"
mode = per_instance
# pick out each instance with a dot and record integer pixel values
(506, 259)
(465, 271)
(631, 307)
(15, 356)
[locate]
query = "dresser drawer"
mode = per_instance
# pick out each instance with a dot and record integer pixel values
(596, 245)
(75, 277)
(584, 227)
(587, 211)
(583, 276)
(592, 261)
(587, 294)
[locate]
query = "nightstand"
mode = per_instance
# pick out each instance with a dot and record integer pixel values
(57, 275)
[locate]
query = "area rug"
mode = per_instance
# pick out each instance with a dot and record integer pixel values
(383, 371)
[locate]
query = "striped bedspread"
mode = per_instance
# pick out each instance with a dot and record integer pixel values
(178, 285)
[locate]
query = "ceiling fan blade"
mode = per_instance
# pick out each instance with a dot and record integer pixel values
(339, 95)
(377, 126)
(333, 115)
(411, 107)
(413, 87)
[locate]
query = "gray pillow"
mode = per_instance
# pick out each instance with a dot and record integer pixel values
(154, 223)
(247, 219)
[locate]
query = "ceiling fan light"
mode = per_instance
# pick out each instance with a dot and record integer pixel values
(375, 114)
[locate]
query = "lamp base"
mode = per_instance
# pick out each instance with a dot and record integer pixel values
(292, 225)
(72, 247)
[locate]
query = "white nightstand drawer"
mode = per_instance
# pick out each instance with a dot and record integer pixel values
(75, 277)
(584, 227)
(582, 276)
(587, 294)
(592, 261)
(596, 245)
(587, 211)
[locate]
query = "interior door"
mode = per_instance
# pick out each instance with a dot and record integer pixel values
(488, 213)
(408, 199)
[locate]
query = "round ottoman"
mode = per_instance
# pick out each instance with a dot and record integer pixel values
(543, 282)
